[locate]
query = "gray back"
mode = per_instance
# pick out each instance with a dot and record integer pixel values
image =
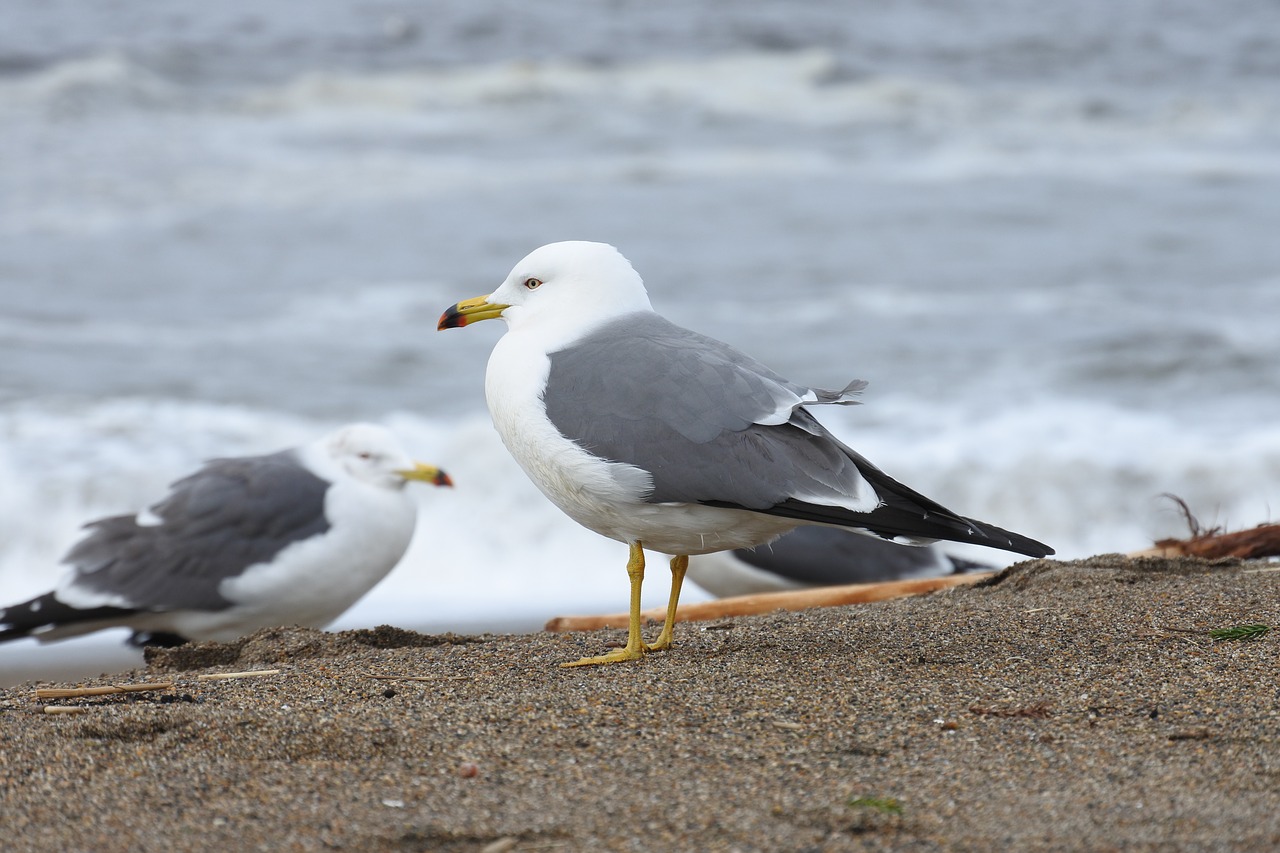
(227, 516)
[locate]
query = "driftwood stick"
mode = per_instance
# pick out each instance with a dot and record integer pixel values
(65, 710)
(748, 605)
(224, 676)
(107, 690)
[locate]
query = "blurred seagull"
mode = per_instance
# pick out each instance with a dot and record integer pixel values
(660, 437)
(810, 557)
(291, 538)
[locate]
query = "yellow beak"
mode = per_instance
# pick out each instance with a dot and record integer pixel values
(424, 473)
(470, 311)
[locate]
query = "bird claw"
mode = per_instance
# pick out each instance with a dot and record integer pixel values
(616, 656)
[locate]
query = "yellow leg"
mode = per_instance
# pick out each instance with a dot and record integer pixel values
(679, 565)
(635, 647)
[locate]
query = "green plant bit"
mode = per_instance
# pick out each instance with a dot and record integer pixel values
(887, 805)
(1241, 632)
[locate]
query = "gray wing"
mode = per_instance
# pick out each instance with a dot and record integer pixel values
(227, 516)
(695, 413)
(713, 426)
(827, 556)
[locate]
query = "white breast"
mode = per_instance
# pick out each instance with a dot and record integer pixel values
(590, 491)
(313, 581)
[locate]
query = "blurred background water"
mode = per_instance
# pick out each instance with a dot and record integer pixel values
(1045, 233)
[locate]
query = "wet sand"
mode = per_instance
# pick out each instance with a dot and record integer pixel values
(1062, 706)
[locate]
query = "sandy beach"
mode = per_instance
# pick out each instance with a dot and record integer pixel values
(1061, 706)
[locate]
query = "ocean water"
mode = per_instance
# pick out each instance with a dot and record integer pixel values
(1045, 234)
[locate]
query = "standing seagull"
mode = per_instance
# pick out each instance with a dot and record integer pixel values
(292, 538)
(660, 437)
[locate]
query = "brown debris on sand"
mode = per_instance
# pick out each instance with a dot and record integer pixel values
(1050, 708)
(1215, 542)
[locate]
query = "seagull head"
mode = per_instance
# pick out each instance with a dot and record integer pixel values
(572, 282)
(372, 455)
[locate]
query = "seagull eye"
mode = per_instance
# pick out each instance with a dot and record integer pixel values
(365, 455)
(532, 283)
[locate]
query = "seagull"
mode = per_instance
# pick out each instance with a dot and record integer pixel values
(810, 557)
(290, 538)
(659, 437)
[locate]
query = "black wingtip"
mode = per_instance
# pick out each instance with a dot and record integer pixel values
(990, 536)
(902, 521)
(1025, 545)
(22, 620)
(46, 612)
(1039, 552)
(10, 634)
